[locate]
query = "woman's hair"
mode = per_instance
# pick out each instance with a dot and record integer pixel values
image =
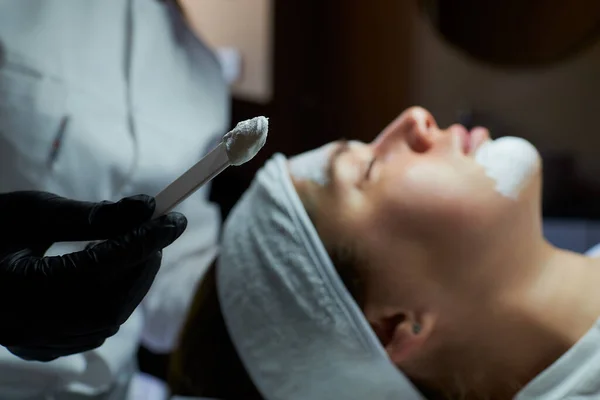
(206, 363)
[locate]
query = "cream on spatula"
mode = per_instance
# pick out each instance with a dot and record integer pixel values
(237, 147)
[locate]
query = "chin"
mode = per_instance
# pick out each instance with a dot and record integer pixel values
(513, 163)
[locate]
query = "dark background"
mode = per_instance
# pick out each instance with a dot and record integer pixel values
(340, 70)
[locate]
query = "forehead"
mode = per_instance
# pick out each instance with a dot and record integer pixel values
(315, 165)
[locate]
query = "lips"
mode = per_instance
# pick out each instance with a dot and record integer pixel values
(470, 141)
(462, 136)
(478, 136)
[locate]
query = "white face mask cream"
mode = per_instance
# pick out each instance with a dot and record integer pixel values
(312, 165)
(511, 162)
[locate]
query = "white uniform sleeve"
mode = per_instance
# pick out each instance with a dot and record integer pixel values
(27, 379)
(184, 263)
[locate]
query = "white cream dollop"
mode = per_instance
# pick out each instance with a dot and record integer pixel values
(312, 165)
(511, 162)
(246, 139)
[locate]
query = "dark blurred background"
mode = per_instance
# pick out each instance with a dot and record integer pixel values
(325, 69)
(322, 70)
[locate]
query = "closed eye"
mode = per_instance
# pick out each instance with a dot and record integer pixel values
(370, 168)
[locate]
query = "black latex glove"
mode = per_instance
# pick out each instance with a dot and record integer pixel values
(57, 306)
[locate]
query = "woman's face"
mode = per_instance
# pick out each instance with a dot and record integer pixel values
(423, 205)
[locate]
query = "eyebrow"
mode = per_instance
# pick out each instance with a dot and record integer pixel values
(340, 149)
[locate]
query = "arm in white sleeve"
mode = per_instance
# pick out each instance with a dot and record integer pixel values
(184, 263)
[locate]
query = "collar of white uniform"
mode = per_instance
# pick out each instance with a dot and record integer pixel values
(576, 374)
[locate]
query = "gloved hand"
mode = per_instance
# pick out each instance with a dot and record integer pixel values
(57, 306)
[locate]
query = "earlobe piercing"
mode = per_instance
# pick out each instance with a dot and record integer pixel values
(416, 328)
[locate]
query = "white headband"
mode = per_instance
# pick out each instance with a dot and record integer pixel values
(296, 328)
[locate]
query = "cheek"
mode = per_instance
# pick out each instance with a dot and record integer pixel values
(431, 179)
(429, 194)
(426, 185)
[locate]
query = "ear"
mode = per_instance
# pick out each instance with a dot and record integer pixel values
(402, 334)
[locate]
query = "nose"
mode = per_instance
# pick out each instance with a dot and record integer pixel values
(416, 126)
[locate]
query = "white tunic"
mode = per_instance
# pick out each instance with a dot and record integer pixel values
(101, 99)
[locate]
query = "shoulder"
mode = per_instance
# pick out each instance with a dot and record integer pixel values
(594, 251)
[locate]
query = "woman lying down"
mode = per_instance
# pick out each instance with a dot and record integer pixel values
(411, 265)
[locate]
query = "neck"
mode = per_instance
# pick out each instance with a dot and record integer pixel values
(527, 328)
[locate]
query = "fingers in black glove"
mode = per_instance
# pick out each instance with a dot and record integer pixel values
(108, 257)
(67, 304)
(128, 249)
(34, 217)
(50, 353)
